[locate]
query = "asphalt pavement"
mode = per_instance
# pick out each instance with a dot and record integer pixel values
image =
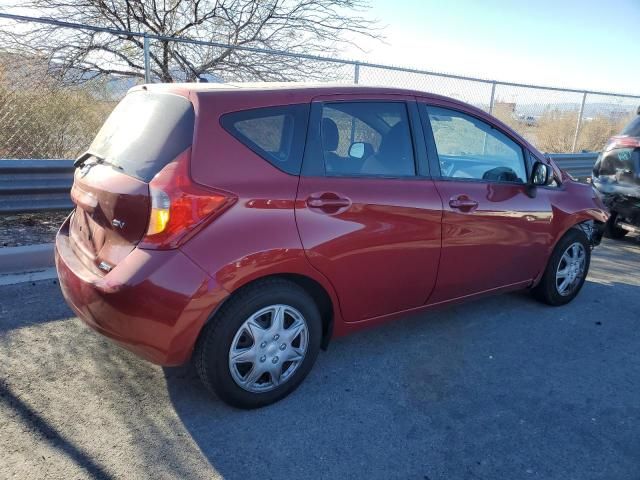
(501, 388)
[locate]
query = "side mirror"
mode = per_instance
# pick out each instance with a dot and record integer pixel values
(540, 174)
(356, 150)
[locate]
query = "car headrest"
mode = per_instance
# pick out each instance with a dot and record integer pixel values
(396, 143)
(500, 174)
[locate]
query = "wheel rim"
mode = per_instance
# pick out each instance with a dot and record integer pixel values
(268, 348)
(571, 268)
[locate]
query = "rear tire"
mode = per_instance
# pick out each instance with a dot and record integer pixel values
(566, 271)
(611, 230)
(245, 358)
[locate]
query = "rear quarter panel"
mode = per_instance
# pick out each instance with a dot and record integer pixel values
(257, 236)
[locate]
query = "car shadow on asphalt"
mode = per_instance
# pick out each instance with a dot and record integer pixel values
(446, 394)
(503, 387)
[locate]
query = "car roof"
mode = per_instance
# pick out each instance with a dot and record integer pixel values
(301, 88)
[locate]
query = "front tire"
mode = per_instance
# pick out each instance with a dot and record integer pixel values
(261, 344)
(566, 271)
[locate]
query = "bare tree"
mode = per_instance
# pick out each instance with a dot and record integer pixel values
(297, 26)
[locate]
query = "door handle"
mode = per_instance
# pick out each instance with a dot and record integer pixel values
(463, 202)
(328, 202)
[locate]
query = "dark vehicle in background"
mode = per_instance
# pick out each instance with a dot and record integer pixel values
(616, 175)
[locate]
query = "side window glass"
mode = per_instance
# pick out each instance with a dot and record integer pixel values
(267, 133)
(350, 130)
(275, 133)
(469, 148)
(367, 138)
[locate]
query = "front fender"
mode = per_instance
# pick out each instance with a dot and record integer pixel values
(575, 205)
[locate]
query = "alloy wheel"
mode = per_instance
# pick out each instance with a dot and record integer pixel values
(570, 268)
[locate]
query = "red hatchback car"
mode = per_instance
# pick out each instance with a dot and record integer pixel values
(247, 225)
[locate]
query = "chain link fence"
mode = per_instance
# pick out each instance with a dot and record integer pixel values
(41, 117)
(45, 116)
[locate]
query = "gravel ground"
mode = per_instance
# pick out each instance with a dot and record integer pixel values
(30, 228)
(502, 388)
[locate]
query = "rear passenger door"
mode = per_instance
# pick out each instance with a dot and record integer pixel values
(367, 212)
(496, 233)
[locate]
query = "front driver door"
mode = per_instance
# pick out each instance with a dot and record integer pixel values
(495, 233)
(369, 217)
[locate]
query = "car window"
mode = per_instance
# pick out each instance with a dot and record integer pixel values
(619, 163)
(275, 133)
(469, 148)
(145, 132)
(633, 128)
(367, 138)
(350, 130)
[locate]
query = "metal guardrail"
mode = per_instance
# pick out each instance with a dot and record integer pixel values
(43, 185)
(579, 165)
(35, 185)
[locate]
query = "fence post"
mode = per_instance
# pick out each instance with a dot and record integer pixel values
(147, 68)
(579, 123)
(356, 79)
(493, 94)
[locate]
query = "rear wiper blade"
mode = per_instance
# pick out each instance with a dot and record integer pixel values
(78, 162)
(85, 156)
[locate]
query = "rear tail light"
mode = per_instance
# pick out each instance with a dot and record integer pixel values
(622, 142)
(180, 207)
(160, 211)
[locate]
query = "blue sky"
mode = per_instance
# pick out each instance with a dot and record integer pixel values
(577, 44)
(582, 44)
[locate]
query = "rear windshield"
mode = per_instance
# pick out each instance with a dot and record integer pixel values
(633, 128)
(145, 132)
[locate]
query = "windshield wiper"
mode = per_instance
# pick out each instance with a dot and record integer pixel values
(80, 161)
